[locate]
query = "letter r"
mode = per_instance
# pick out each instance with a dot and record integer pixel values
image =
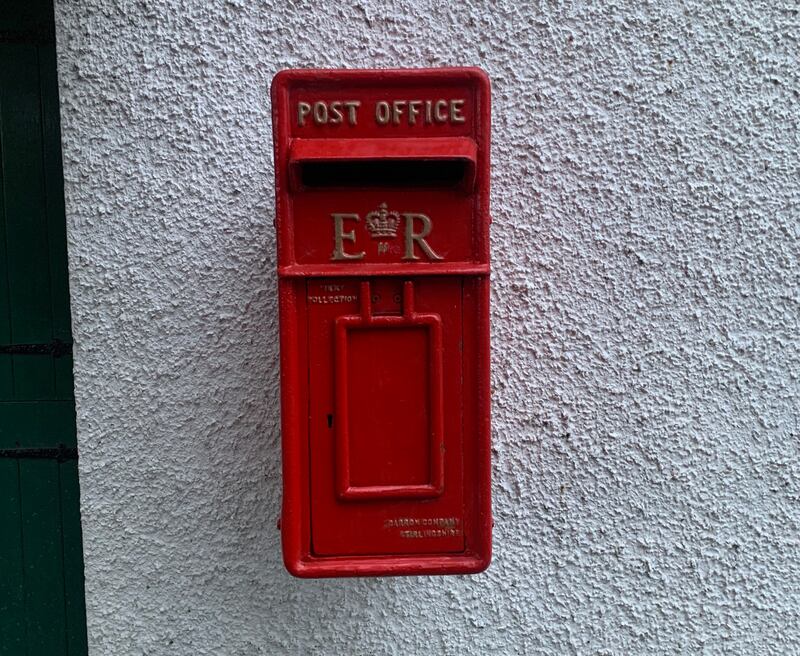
(419, 237)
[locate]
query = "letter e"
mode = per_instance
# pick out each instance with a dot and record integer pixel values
(339, 236)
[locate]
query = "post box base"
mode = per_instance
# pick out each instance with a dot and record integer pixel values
(311, 567)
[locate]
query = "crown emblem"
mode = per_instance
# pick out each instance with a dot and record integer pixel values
(383, 223)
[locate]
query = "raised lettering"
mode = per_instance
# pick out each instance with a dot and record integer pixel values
(382, 112)
(418, 237)
(428, 111)
(413, 111)
(440, 111)
(336, 112)
(339, 236)
(320, 113)
(303, 109)
(455, 111)
(397, 111)
(352, 107)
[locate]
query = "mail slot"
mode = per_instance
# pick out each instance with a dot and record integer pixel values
(382, 224)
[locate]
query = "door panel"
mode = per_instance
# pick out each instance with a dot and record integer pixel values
(403, 496)
(41, 563)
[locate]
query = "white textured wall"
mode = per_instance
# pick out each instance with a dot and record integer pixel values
(645, 327)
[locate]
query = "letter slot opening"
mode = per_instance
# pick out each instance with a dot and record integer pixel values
(388, 163)
(383, 173)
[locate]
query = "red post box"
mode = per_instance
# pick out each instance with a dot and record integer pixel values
(382, 185)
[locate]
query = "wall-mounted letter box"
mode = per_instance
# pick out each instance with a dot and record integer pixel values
(382, 183)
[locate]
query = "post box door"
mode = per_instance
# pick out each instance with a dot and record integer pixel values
(385, 417)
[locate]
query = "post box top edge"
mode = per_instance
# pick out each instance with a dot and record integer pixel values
(286, 77)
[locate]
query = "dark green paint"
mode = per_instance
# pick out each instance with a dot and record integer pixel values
(37, 424)
(12, 586)
(42, 611)
(43, 562)
(73, 560)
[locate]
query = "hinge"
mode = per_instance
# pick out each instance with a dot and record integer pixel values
(39, 34)
(61, 453)
(56, 348)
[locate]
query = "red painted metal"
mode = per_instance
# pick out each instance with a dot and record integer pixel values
(382, 186)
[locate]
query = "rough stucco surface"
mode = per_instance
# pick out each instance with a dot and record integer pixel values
(645, 327)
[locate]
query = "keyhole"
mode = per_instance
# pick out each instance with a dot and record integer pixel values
(330, 421)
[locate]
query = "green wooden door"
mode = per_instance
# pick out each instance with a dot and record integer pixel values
(41, 562)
